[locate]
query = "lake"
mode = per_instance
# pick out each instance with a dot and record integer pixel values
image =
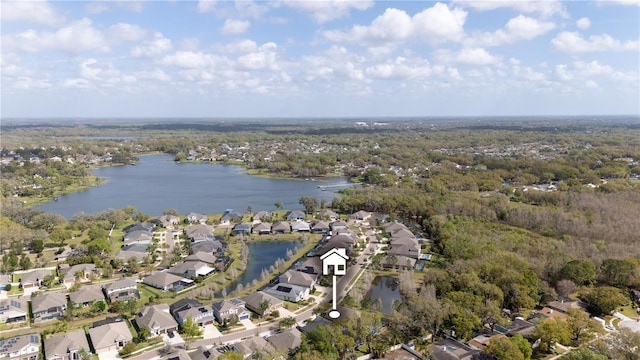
(262, 255)
(158, 183)
(386, 289)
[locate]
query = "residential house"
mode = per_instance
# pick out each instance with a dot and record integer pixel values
(412, 251)
(157, 318)
(138, 237)
(199, 232)
(87, 295)
(281, 227)
(66, 346)
(297, 278)
(124, 289)
(224, 309)
(34, 278)
(139, 226)
(318, 321)
(326, 214)
(255, 301)
(169, 221)
(109, 337)
(192, 269)
(166, 281)
(483, 340)
(133, 252)
(241, 229)
(334, 261)
(300, 226)
(262, 228)
(79, 272)
(404, 241)
(517, 326)
(190, 308)
(289, 292)
(196, 218)
(452, 349)
(21, 347)
(202, 256)
(340, 241)
(310, 265)
(203, 353)
(13, 310)
(286, 341)
(337, 225)
(229, 216)
(392, 227)
(320, 227)
(178, 354)
(210, 246)
(295, 215)
(252, 345)
(360, 216)
(402, 233)
(399, 262)
(48, 306)
(261, 216)
(564, 306)
(383, 218)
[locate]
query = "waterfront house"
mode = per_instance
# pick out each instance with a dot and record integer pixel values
(210, 246)
(289, 292)
(191, 269)
(87, 295)
(139, 226)
(254, 303)
(230, 216)
(199, 232)
(166, 281)
(138, 237)
(196, 218)
(360, 216)
(21, 347)
(202, 256)
(190, 308)
(408, 250)
(300, 226)
(320, 227)
(281, 227)
(399, 262)
(48, 306)
(334, 261)
(109, 337)
(66, 346)
(242, 229)
(297, 278)
(295, 215)
(169, 221)
(224, 309)
(123, 289)
(328, 215)
(262, 228)
(13, 310)
(261, 216)
(157, 318)
(337, 225)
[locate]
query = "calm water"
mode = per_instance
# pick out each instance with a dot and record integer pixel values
(261, 256)
(158, 183)
(386, 289)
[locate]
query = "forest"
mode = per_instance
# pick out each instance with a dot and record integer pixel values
(517, 212)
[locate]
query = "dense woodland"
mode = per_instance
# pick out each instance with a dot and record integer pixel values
(467, 186)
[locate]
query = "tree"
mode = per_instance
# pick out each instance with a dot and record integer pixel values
(287, 322)
(616, 272)
(565, 288)
(277, 205)
(310, 203)
(231, 355)
(580, 324)
(190, 329)
(583, 353)
(602, 300)
(37, 246)
(504, 349)
(143, 333)
(98, 307)
(59, 236)
(550, 332)
(170, 211)
(128, 348)
(264, 306)
(25, 262)
(581, 272)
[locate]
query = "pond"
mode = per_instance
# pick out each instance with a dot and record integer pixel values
(386, 289)
(262, 255)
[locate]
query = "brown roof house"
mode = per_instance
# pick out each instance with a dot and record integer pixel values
(34, 278)
(123, 289)
(286, 341)
(297, 278)
(108, 337)
(48, 306)
(254, 303)
(87, 295)
(79, 272)
(224, 309)
(66, 346)
(22, 347)
(157, 318)
(166, 281)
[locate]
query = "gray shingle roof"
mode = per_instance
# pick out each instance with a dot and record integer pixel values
(60, 345)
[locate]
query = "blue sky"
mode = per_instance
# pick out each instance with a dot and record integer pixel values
(288, 58)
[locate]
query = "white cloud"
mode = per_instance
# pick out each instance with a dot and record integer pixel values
(579, 72)
(193, 60)
(583, 23)
(96, 7)
(264, 58)
(323, 11)
(235, 26)
(74, 38)
(467, 56)
(241, 46)
(435, 25)
(546, 8)
(189, 44)
(392, 26)
(517, 29)
(206, 5)
(400, 68)
(573, 42)
(36, 12)
(439, 24)
(336, 64)
(619, 2)
(152, 48)
(155, 75)
(252, 9)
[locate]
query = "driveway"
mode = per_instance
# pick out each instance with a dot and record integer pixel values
(109, 355)
(248, 324)
(628, 322)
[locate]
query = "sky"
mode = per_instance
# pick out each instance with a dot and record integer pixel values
(327, 58)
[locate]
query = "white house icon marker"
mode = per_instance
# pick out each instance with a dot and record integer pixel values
(336, 260)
